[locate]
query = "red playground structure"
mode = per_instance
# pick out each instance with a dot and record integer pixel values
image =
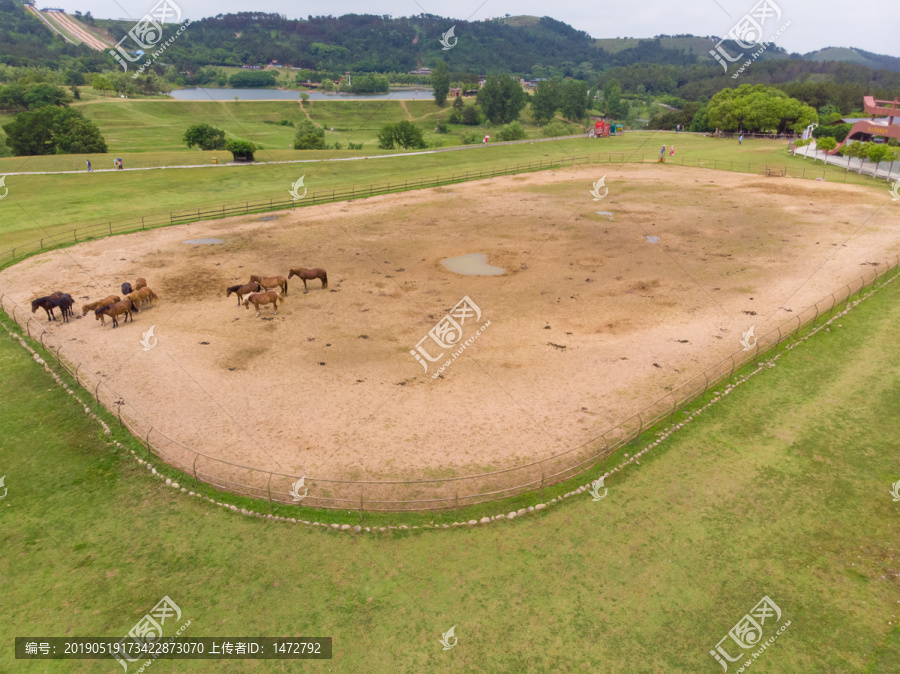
(603, 129)
(887, 126)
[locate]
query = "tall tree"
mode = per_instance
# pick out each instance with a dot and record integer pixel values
(501, 99)
(574, 100)
(440, 81)
(544, 102)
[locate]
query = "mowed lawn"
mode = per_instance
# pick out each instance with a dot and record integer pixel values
(782, 489)
(39, 205)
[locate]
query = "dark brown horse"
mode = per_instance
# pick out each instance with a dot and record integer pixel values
(308, 275)
(115, 310)
(268, 282)
(57, 300)
(127, 289)
(243, 289)
(262, 299)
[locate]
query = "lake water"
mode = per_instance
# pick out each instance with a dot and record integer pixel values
(228, 94)
(473, 264)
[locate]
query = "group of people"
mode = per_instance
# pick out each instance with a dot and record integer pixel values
(116, 162)
(662, 152)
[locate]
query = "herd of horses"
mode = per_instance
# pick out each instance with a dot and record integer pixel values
(112, 306)
(261, 291)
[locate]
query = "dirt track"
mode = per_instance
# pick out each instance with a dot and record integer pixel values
(590, 322)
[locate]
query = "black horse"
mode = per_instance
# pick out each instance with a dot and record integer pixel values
(58, 300)
(126, 289)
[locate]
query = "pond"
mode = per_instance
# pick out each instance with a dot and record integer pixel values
(204, 241)
(228, 94)
(473, 264)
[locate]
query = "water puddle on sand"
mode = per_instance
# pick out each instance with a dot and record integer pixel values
(473, 264)
(651, 239)
(604, 213)
(204, 241)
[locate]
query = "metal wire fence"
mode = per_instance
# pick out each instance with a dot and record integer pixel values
(414, 494)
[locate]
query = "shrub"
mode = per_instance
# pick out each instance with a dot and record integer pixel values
(557, 129)
(205, 137)
(838, 132)
(455, 116)
(242, 149)
(402, 134)
(470, 115)
(441, 126)
(309, 136)
(470, 138)
(355, 146)
(512, 131)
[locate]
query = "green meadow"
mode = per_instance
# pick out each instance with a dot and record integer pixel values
(781, 489)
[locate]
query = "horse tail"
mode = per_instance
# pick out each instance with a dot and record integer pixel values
(285, 286)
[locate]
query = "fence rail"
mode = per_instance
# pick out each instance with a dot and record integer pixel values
(403, 495)
(422, 494)
(329, 196)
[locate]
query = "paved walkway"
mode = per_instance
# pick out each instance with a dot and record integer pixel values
(883, 170)
(300, 161)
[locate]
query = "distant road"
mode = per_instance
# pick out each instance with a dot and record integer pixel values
(301, 161)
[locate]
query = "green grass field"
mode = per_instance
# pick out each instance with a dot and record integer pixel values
(781, 489)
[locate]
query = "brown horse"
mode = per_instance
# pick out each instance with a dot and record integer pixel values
(138, 297)
(271, 282)
(243, 289)
(115, 310)
(309, 274)
(139, 283)
(93, 306)
(262, 299)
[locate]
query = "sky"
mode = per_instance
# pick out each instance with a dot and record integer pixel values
(814, 24)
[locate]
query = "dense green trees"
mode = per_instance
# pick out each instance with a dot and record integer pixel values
(573, 101)
(402, 134)
(309, 136)
(16, 97)
(758, 108)
(369, 84)
(544, 102)
(501, 99)
(52, 130)
(252, 79)
(205, 137)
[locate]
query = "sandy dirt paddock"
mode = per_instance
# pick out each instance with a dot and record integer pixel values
(596, 315)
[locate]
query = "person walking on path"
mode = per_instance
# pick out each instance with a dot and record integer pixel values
(89, 166)
(741, 139)
(672, 151)
(484, 142)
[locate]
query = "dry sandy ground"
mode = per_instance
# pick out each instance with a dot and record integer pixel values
(591, 321)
